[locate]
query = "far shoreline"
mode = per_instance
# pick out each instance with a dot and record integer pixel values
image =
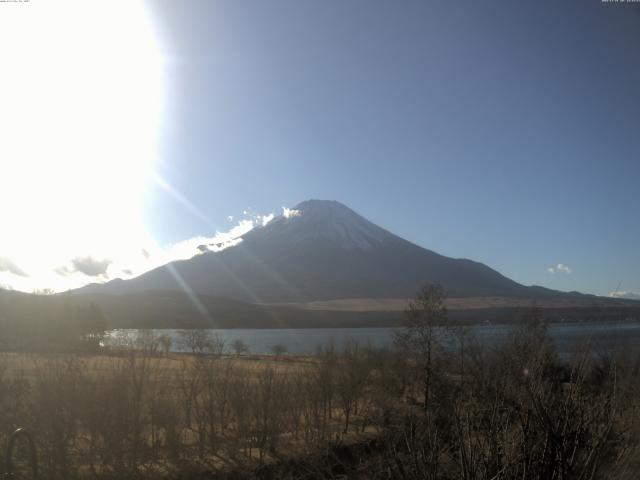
(329, 319)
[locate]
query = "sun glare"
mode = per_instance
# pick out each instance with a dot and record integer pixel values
(80, 109)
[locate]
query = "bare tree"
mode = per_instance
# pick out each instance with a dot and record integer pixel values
(461, 339)
(279, 350)
(351, 379)
(215, 344)
(239, 347)
(418, 337)
(197, 340)
(165, 341)
(147, 340)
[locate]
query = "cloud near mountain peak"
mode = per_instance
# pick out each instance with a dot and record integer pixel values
(87, 265)
(106, 264)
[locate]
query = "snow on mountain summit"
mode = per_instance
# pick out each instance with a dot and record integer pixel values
(328, 221)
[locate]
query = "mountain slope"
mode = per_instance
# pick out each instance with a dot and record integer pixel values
(322, 250)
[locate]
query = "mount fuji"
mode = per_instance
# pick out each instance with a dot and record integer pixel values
(321, 250)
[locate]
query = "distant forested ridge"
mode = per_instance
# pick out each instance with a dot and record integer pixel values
(45, 322)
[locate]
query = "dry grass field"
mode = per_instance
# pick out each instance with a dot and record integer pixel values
(137, 412)
(401, 304)
(516, 411)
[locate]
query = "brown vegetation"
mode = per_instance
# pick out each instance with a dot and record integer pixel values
(459, 303)
(424, 410)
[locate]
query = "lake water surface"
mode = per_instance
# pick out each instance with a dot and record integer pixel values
(566, 336)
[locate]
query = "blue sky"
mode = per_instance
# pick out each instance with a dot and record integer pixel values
(505, 132)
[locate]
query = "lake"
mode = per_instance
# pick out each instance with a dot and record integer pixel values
(605, 336)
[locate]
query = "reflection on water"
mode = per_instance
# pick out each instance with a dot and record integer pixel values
(605, 336)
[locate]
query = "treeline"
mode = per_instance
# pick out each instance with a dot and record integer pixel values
(47, 323)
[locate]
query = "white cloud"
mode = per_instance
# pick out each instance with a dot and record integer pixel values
(221, 240)
(118, 256)
(7, 265)
(90, 266)
(267, 218)
(131, 257)
(563, 268)
(559, 268)
(290, 212)
(628, 295)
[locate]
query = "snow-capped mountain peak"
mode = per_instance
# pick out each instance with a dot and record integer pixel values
(321, 250)
(327, 221)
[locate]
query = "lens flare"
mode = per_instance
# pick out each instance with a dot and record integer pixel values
(80, 111)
